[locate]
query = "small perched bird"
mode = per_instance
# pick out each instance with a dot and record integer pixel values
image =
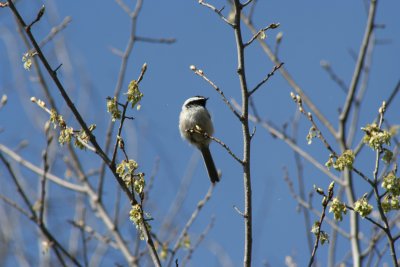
(194, 121)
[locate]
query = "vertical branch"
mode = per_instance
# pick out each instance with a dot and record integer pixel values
(382, 214)
(359, 65)
(246, 136)
(341, 135)
(44, 179)
(300, 174)
(121, 77)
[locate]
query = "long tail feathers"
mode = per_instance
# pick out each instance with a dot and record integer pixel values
(209, 162)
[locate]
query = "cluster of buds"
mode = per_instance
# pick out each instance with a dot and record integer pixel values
(323, 236)
(126, 170)
(136, 216)
(27, 59)
(375, 137)
(112, 108)
(391, 184)
(338, 208)
(345, 160)
(67, 133)
(316, 228)
(362, 206)
(134, 95)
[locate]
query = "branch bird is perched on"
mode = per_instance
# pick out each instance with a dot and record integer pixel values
(195, 126)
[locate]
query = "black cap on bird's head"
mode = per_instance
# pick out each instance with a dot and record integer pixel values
(196, 101)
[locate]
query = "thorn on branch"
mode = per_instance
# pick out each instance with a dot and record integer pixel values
(240, 213)
(129, 118)
(56, 69)
(253, 133)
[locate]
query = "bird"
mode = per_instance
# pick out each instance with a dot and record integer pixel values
(195, 125)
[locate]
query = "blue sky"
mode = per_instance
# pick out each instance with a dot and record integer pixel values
(312, 30)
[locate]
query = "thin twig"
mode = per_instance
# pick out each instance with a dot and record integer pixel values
(70, 104)
(206, 135)
(39, 171)
(16, 206)
(263, 30)
(246, 3)
(189, 223)
(368, 219)
(120, 80)
(34, 218)
(300, 174)
(307, 205)
(124, 6)
(382, 214)
(198, 242)
(281, 135)
(359, 66)
(217, 11)
(202, 75)
(325, 202)
(55, 30)
(277, 67)
(156, 40)
(44, 178)
(289, 78)
(334, 77)
(37, 19)
(320, 136)
(82, 226)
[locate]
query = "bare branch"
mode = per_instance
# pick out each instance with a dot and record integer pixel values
(279, 134)
(124, 7)
(39, 171)
(16, 206)
(246, 3)
(55, 30)
(277, 67)
(199, 240)
(358, 69)
(202, 75)
(327, 67)
(92, 232)
(44, 178)
(206, 135)
(260, 32)
(156, 40)
(189, 223)
(38, 17)
(218, 11)
(289, 78)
